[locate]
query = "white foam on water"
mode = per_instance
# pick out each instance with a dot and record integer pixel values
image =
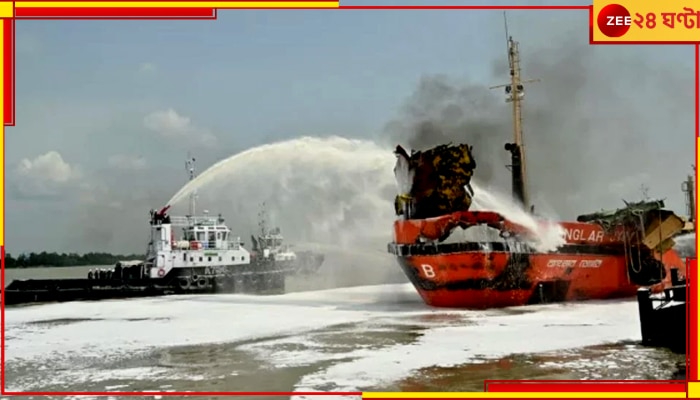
(112, 330)
(551, 328)
(46, 331)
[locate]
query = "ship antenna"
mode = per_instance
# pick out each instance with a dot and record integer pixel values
(189, 166)
(261, 219)
(515, 93)
(645, 191)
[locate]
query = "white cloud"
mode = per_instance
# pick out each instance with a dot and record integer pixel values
(172, 126)
(48, 167)
(127, 162)
(147, 67)
(45, 175)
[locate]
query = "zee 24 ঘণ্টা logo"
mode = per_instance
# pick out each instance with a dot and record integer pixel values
(614, 20)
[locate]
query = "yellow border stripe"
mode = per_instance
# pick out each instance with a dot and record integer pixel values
(173, 4)
(7, 9)
(693, 389)
(524, 395)
(696, 287)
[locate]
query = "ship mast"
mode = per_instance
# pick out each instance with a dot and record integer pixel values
(189, 166)
(262, 217)
(515, 93)
(688, 188)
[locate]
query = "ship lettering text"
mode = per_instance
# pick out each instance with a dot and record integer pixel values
(574, 263)
(623, 235)
(561, 263)
(428, 271)
(590, 263)
(212, 271)
(579, 234)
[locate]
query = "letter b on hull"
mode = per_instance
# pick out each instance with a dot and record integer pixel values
(428, 271)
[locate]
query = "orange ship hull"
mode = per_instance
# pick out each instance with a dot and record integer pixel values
(477, 275)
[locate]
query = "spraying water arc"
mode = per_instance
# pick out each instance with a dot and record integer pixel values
(322, 190)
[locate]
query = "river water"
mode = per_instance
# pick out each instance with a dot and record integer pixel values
(369, 337)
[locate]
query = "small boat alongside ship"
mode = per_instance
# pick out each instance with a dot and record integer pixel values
(604, 255)
(663, 317)
(186, 255)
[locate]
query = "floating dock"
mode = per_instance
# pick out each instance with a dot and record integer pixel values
(663, 316)
(61, 290)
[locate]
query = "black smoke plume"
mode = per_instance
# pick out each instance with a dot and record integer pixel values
(603, 121)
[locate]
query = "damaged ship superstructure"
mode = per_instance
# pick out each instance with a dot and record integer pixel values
(601, 255)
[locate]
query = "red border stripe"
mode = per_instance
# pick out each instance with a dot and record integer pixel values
(2, 294)
(9, 66)
(587, 387)
(450, 7)
(150, 394)
(115, 12)
(692, 310)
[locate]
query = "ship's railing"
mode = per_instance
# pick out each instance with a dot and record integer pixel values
(207, 245)
(199, 220)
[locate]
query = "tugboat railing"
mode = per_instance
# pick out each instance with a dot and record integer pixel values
(198, 220)
(207, 245)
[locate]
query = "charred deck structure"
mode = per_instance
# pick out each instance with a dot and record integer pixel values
(190, 254)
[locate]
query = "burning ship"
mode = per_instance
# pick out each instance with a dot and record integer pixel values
(186, 255)
(605, 255)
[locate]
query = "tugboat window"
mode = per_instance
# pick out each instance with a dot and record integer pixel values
(191, 258)
(200, 259)
(184, 257)
(219, 258)
(212, 240)
(209, 259)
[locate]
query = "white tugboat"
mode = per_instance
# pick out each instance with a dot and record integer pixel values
(200, 253)
(186, 254)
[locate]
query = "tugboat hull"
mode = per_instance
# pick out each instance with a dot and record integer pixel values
(256, 278)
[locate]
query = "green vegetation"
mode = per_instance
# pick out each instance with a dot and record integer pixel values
(45, 259)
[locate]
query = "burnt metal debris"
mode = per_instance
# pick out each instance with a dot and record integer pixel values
(434, 182)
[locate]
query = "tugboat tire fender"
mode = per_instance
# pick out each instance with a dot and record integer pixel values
(202, 282)
(184, 283)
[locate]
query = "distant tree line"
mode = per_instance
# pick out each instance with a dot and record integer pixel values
(44, 259)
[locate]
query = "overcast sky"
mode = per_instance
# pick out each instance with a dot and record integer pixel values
(107, 110)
